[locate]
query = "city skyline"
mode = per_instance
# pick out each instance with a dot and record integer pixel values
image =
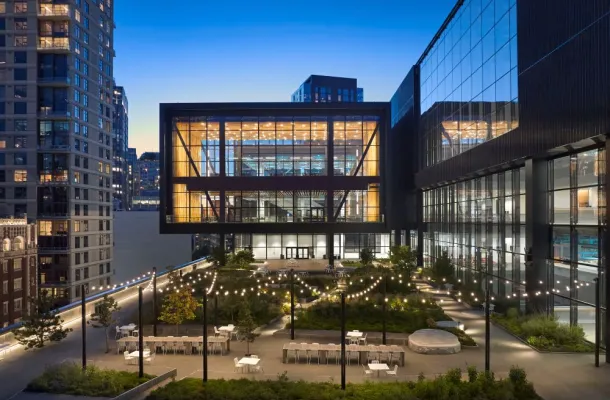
(384, 44)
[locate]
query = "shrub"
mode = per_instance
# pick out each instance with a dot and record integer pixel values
(480, 386)
(545, 332)
(69, 378)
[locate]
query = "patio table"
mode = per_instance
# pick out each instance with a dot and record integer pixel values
(166, 339)
(379, 367)
(249, 361)
(362, 350)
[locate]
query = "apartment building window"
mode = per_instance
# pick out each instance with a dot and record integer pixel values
(86, 271)
(77, 258)
(86, 256)
(17, 284)
(21, 57)
(20, 74)
(20, 158)
(20, 210)
(101, 269)
(20, 175)
(5, 287)
(85, 241)
(17, 303)
(21, 24)
(21, 125)
(85, 210)
(77, 242)
(86, 178)
(86, 194)
(76, 226)
(107, 268)
(21, 107)
(21, 41)
(101, 226)
(21, 193)
(21, 7)
(5, 308)
(85, 226)
(21, 91)
(77, 275)
(77, 209)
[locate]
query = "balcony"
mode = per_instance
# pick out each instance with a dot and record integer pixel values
(54, 81)
(59, 11)
(54, 147)
(51, 215)
(53, 44)
(48, 112)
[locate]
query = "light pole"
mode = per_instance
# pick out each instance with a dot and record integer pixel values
(216, 309)
(154, 299)
(383, 308)
(83, 312)
(597, 321)
(342, 286)
(292, 304)
(205, 335)
(487, 326)
(140, 336)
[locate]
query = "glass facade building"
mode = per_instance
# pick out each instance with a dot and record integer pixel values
(511, 178)
(301, 178)
(469, 90)
(328, 89)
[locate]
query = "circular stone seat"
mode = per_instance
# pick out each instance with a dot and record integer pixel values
(434, 341)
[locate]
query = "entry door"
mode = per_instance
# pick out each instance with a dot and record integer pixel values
(303, 252)
(291, 252)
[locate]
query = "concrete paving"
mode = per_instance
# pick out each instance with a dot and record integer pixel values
(555, 376)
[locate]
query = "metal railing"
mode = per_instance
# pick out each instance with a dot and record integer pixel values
(91, 299)
(54, 10)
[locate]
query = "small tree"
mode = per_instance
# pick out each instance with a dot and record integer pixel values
(104, 316)
(178, 306)
(246, 325)
(403, 259)
(41, 323)
(443, 268)
(218, 257)
(242, 259)
(367, 256)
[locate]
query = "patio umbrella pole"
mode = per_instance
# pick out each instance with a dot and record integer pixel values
(140, 336)
(154, 299)
(84, 325)
(343, 340)
(291, 304)
(205, 335)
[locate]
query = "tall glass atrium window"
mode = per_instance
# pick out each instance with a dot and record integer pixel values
(469, 91)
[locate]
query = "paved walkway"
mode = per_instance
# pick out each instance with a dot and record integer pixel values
(555, 376)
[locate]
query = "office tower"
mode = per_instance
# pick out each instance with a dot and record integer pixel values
(289, 180)
(56, 82)
(328, 89)
(18, 266)
(132, 157)
(146, 177)
(509, 105)
(120, 144)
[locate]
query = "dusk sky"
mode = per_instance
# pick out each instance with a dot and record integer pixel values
(256, 51)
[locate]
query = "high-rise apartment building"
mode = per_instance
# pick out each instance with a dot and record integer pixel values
(120, 144)
(56, 104)
(328, 89)
(146, 177)
(17, 267)
(132, 157)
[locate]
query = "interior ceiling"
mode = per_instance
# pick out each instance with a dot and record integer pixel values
(471, 129)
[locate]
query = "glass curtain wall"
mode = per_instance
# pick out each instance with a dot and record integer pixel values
(469, 90)
(578, 209)
(270, 147)
(480, 223)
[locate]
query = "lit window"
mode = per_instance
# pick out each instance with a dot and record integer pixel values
(21, 175)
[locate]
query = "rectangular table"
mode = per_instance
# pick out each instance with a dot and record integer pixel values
(249, 361)
(146, 353)
(379, 367)
(166, 339)
(363, 350)
(354, 334)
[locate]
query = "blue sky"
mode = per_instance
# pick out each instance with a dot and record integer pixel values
(261, 50)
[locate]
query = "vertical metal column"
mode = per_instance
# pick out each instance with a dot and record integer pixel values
(291, 304)
(154, 299)
(140, 336)
(343, 340)
(84, 326)
(205, 334)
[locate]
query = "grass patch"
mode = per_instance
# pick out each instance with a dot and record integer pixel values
(545, 333)
(69, 378)
(450, 386)
(404, 315)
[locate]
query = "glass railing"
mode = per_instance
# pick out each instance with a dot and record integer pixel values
(54, 43)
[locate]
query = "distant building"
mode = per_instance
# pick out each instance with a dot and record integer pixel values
(328, 89)
(18, 271)
(132, 158)
(120, 145)
(146, 178)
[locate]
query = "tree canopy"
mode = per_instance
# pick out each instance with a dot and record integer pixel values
(178, 306)
(41, 324)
